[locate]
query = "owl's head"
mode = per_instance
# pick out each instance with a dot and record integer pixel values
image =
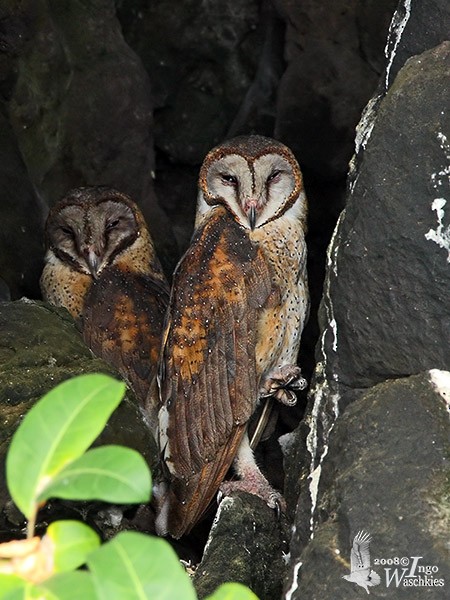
(256, 178)
(91, 227)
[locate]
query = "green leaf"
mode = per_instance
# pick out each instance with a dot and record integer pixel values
(72, 542)
(232, 591)
(77, 585)
(64, 586)
(8, 583)
(57, 430)
(19, 593)
(134, 566)
(109, 473)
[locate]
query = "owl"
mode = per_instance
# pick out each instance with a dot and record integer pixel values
(238, 305)
(101, 265)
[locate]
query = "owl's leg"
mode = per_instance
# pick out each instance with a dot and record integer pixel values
(282, 383)
(251, 479)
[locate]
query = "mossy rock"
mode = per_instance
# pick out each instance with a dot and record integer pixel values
(39, 348)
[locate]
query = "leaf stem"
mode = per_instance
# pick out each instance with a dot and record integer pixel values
(31, 524)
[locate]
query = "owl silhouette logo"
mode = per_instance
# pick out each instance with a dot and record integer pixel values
(361, 572)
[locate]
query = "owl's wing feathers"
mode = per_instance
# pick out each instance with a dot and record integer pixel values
(209, 385)
(122, 322)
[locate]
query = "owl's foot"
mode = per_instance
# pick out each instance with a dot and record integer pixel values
(251, 479)
(282, 383)
(258, 486)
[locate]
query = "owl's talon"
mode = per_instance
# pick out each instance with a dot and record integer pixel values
(278, 509)
(282, 383)
(286, 397)
(258, 486)
(277, 502)
(298, 384)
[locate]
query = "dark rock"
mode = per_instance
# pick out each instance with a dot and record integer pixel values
(247, 544)
(383, 314)
(22, 217)
(40, 347)
(373, 19)
(82, 108)
(385, 472)
(328, 79)
(392, 240)
(177, 185)
(5, 293)
(14, 27)
(415, 27)
(203, 58)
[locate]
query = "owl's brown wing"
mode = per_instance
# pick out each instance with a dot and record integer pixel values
(122, 322)
(208, 378)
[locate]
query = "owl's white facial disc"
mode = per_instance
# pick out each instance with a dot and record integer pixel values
(255, 191)
(274, 184)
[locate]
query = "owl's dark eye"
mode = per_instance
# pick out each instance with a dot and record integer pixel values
(67, 230)
(274, 176)
(112, 224)
(229, 179)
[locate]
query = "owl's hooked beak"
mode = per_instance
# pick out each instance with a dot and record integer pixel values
(93, 261)
(250, 209)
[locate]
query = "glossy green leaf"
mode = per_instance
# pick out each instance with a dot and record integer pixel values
(109, 473)
(57, 430)
(77, 585)
(19, 593)
(232, 591)
(8, 583)
(72, 542)
(134, 566)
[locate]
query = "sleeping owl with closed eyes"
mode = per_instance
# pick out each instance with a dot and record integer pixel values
(101, 265)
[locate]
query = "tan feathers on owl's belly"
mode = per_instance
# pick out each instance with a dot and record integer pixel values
(65, 287)
(280, 326)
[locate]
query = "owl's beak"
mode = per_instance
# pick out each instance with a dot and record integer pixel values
(93, 262)
(250, 210)
(252, 216)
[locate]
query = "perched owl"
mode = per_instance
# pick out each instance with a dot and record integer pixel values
(238, 305)
(101, 265)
